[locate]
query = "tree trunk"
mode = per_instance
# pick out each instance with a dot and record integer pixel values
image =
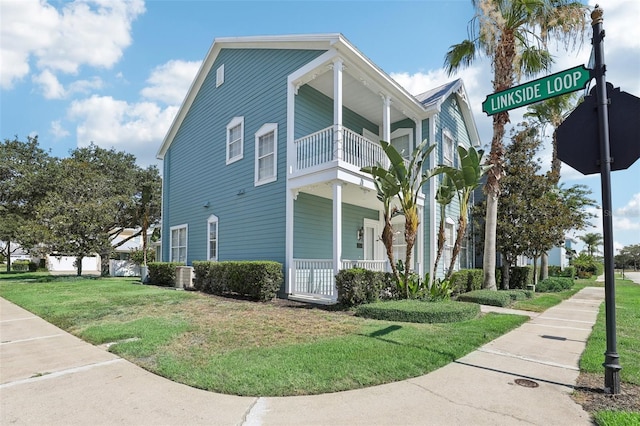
(441, 240)
(462, 227)
(506, 271)
(104, 264)
(544, 266)
(489, 256)
(79, 265)
(535, 270)
(8, 256)
(410, 229)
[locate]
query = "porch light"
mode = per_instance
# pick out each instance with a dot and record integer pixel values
(360, 234)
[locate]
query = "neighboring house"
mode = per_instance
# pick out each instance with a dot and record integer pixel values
(263, 159)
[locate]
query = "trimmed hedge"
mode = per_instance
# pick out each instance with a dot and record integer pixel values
(163, 273)
(501, 298)
(554, 285)
(420, 312)
(487, 297)
(258, 280)
(357, 286)
(557, 271)
(20, 265)
(466, 280)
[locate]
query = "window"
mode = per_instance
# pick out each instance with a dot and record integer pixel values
(402, 140)
(220, 75)
(235, 136)
(212, 238)
(266, 154)
(450, 235)
(447, 148)
(178, 244)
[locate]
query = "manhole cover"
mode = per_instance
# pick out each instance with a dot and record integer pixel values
(526, 383)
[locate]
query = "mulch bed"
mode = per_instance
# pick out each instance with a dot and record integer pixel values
(590, 394)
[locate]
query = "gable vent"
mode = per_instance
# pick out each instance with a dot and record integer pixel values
(220, 75)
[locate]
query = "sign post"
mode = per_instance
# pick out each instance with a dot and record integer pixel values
(611, 358)
(553, 85)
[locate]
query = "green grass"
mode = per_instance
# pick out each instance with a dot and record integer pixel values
(543, 301)
(249, 348)
(616, 418)
(627, 335)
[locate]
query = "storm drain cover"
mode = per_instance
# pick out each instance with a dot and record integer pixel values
(526, 383)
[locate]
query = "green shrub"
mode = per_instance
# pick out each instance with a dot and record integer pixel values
(587, 266)
(258, 280)
(487, 297)
(163, 273)
(554, 270)
(418, 311)
(20, 265)
(519, 294)
(357, 286)
(467, 280)
(554, 285)
(569, 272)
(520, 276)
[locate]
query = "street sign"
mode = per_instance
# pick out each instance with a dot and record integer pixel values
(577, 136)
(553, 85)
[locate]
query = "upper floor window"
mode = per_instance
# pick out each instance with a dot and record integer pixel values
(266, 154)
(178, 244)
(212, 238)
(235, 137)
(448, 148)
(402, 140)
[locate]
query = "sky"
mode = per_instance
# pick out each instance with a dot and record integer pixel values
(115, 72)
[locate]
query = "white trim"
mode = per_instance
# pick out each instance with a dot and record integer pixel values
(378, 252)
(400, 132)
(210, 220)
(235, 122)
(220, 75)
(262, 131)
(184, 226)
(446, 134)
(368, 134)
(432, 201)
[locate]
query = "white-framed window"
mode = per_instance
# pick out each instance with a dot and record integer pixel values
(448, 148)
(402, 140)
(212, 238)
(266, 154)
(235, 139)
(178, 244)
(220, 75)
(450, 239)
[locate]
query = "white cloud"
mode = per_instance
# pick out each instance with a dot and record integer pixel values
(90, 32)
(137, 128)
(632, 209)
(57, 130)
(170, 82)
(49, 85)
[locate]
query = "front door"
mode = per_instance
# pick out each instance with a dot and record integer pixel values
(373, 247)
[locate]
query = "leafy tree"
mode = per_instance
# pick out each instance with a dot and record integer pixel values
(514, 35)
(25, 177)
(99, 193)
(629, 257)
(465, 180)
(408, 179)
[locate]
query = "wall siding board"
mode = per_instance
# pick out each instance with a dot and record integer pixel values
(251, 219)
(313, 228)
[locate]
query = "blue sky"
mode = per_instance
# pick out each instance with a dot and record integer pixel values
(115, 72)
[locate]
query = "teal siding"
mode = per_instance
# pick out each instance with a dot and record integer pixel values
(251, 219)
(313, 228)
(314, 111)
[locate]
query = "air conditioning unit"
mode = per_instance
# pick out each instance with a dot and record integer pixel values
(184, 277)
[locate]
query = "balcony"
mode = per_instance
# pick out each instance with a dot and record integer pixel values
(323, 147)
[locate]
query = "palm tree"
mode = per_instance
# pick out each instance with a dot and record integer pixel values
(444, 195)
(552, 111)
(592, 240)
(513, 34)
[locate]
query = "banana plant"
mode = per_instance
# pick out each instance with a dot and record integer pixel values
(444, 195)
(465, 180)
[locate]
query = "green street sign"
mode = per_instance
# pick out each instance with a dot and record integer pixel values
(553, 85)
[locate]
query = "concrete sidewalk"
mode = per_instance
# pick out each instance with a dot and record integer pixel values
(49, 377)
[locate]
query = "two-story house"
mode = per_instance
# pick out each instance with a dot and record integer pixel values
(263, 160)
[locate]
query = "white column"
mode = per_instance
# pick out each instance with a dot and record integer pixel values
(337, 226)
(419, 257)
(289, 228)
(386, 118)
(337, 107)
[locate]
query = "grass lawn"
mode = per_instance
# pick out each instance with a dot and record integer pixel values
(247, 348)
(623, 409)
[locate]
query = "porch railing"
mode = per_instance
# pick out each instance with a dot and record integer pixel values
(321, 147)
(314, 277)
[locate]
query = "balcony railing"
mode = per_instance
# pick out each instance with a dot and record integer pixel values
(322, 147)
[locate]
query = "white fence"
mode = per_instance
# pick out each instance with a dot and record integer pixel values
(66, 264)
(123, 268)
